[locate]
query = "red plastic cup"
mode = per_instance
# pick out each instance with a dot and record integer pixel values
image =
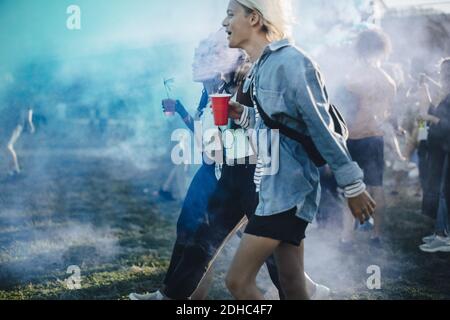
(169, 107)
(220, 108)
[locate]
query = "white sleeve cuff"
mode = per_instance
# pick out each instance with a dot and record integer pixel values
(244, 121)
(355, 189)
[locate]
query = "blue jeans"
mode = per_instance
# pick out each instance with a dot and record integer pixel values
(442, 213)
(193, 214)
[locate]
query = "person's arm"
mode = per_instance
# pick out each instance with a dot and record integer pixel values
(442, 124)
(313, 107)
(243, 116)
(185, 116)
(30, 120)
(392, 141)
(168, 104)
(429, 118)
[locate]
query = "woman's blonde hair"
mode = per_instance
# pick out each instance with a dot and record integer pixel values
(276, 15)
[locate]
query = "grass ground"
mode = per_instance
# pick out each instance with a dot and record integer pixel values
(99, 214)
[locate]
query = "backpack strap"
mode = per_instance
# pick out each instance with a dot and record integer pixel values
(304, 140)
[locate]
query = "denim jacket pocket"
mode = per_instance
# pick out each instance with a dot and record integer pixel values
(272, 101)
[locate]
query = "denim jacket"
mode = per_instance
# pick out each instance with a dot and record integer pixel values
(290, 90)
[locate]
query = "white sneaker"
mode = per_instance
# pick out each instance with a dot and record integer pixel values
(429, 239)
(148, 296)
(322, 293)
(439, 244)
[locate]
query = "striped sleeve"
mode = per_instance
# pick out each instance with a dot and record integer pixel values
(355, 189)
(246, 119)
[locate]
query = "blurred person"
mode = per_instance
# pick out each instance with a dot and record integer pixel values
(374, 92)
(218, 68)
(436, 194)
(15, 118)
(286, 88)
(395, 146)
(418, 98)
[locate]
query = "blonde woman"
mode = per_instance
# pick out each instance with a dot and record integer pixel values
(217, 211)
(288, 88)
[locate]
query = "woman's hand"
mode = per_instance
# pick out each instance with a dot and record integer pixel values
(174, 106)
(429, 118)
(169, 105)
(235, 110)
(362, 206)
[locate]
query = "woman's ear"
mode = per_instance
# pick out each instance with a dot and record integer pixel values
(255, 19)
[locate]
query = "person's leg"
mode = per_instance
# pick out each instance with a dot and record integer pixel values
(14, 137)
(177, 254)
(447, 190)
(274, 274)
(442, 218)
(432, 191)
(311, 286)
(193, 213)
(248, 200)
(197, 260)
(209, 238)
(374, 177)
(251, 255)
(442, 211)
(379, 197)
(423, 163)
(202, 291)
(290, 261)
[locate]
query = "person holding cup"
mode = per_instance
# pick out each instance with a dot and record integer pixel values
(189, 273)
(219, 69)
(289, 88)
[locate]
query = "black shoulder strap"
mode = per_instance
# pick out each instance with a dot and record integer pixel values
(304, 140)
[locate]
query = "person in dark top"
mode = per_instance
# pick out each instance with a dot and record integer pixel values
(436, 200)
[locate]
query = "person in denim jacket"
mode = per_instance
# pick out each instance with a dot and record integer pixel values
(290, 90)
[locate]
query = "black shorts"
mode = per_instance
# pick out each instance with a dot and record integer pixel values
(285, 227)
(369, 154)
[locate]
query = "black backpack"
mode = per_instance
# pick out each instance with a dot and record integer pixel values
(340, 127)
